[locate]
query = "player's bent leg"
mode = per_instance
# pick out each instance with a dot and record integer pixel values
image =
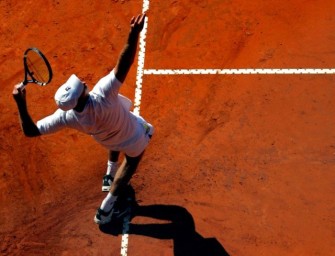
(121, 180)
(113, 155)
(124, 173)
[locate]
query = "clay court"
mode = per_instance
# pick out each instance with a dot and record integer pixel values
(240, 164)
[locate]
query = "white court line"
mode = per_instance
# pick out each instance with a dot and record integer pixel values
(140, 69)
(247, 71)
(137, 104)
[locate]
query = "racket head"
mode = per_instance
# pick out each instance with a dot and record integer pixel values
(37, 67)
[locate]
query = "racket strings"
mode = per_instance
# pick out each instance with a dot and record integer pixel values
(37, 67)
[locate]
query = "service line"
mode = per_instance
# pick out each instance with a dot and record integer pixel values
(246, 71)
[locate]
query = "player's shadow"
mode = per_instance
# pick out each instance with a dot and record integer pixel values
(181, 229)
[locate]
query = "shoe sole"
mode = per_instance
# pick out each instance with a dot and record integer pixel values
(105, 188)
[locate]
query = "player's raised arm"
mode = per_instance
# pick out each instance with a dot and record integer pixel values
(27, 124)
(127, 55)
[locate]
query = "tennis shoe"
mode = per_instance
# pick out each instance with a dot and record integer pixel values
(116, 213)
(107, 181)
(102, 217)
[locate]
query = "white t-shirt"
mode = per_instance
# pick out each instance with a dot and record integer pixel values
(105, 117)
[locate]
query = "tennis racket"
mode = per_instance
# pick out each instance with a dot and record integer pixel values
(37, 68)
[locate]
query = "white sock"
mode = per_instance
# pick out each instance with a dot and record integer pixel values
(108, 203)
(111, 168)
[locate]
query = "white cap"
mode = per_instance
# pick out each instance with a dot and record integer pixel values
(68, 94)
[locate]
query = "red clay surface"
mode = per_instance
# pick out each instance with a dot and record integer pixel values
(248, 159)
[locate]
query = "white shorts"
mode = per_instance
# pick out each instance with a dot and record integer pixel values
(135, 149)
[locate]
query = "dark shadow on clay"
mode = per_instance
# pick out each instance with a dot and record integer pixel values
(181, 228)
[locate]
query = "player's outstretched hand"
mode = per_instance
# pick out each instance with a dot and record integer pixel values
(19, 93)
(137, 23)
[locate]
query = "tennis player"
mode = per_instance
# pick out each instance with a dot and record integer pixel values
(105, 115)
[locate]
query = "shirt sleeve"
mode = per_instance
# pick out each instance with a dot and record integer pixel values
(108, 87)
(52, 123)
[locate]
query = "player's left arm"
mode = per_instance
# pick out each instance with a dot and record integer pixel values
(28, 126)
(127, 56)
